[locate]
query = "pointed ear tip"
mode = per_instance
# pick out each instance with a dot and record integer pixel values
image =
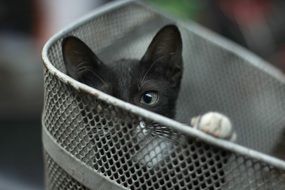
(174, 31)
(173, 28)
(70, 40)
(67, 44)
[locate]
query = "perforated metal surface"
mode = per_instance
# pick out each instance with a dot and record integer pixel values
(124, 144)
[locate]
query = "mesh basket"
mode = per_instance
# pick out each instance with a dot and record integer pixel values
(95, 141)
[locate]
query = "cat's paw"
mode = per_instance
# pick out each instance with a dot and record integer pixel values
(215, 124)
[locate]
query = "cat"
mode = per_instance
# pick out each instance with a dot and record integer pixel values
(153, 82)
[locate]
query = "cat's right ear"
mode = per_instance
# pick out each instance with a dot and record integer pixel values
(164, 55)
(78, 58)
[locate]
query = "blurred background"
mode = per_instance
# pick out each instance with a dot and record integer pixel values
(258, 25)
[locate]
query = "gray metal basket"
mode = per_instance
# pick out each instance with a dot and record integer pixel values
(95, 141)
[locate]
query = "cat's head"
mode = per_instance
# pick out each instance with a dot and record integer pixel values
(153, 82)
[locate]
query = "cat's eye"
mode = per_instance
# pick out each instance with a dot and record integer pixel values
(149, 98)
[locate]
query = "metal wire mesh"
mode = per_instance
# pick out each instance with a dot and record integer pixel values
(122, 145)
(57, 178)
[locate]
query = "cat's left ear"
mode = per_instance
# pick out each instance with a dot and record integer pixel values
(164, 55)
(78, 58)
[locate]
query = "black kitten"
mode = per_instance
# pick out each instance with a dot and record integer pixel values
(153, 82)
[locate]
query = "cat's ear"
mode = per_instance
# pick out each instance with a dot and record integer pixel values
(164, 55)
(79, 59)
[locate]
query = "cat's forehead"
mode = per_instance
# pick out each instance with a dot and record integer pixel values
(124, 76)
(125, 66)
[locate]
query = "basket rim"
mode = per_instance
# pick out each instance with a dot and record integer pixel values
(173, 124)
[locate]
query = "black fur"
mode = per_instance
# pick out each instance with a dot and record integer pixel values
(159, 70)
